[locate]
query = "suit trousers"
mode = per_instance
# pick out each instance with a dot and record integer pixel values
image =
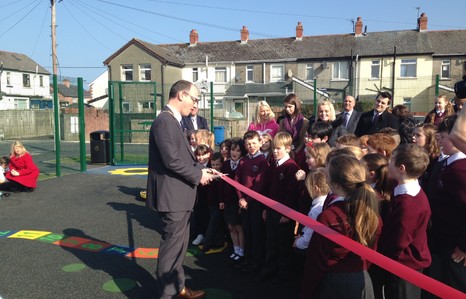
(172, 251)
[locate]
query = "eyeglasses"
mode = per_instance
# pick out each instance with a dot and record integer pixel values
(194, 99)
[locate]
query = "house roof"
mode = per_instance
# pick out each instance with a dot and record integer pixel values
(338, 46)
(256, 90)
(71, 91)
(20, 62)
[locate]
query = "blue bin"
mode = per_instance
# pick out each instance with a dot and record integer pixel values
(219, 133)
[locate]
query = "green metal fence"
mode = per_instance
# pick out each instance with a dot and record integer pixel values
(132, 108)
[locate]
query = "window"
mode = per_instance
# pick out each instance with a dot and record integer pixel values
(408, 68)
(127, 72)
(445, 71)
(309, 72)
(8, 79)
(249, 73)
(144, 72)
(375, 69)
(126, 106)
(407, 103)
(148, 105)
(26, 80)
(340, 70)
(277, 73)
(41, 81)
(74, 123)
(195, 74)
(20, 104)
(221, 74)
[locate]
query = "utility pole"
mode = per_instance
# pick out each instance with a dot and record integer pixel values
(54, 38)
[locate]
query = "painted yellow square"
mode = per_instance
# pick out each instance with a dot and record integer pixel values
(29, 234)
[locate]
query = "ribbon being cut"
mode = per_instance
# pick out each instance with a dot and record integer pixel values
(427, 283)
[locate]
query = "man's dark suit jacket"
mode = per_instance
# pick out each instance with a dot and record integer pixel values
(365, 126)
(353, 121)
(173, 171)
(201, 123)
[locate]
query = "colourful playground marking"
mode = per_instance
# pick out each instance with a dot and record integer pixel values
(118, 285)
(129, 171)
(93, 245)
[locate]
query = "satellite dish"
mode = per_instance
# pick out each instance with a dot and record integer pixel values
(290, 73)
(237, 77)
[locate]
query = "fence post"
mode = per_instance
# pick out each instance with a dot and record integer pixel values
(315, 97)
(82, 126)
(56, 116)
(211, 106)
(437, 82)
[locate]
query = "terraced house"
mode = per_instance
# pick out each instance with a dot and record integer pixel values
(412, 64)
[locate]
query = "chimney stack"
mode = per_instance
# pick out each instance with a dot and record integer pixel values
(358, 27)
(193, 37)
(244, 35)
(299, 31)
(422, 23)
(67, 83)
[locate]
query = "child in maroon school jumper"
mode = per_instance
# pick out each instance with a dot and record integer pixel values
(332, 271)
(282, 187)
(448, 203)
(229, 202)
(251, 173)
(404, 235)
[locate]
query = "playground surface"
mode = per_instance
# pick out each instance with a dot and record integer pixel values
(89, 235)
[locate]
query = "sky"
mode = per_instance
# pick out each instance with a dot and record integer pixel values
(89, 31)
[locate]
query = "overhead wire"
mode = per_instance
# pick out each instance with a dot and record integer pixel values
(40, 31)
(16, 12)
(108, 16)
(22, 18)
(2, 6)
(185, 20)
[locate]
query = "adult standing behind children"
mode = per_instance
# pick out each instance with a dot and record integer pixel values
(373, 121)
(296, 125)
(350, 117)
(171, 188)
(22, 171)
(265, 120)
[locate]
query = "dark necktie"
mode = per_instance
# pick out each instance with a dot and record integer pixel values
(376, 118)
(346, 119)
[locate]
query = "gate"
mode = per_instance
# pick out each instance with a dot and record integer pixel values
(132, 108)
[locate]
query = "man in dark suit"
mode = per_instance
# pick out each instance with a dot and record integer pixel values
(171, 188)
(194, 122)
(373, 121)
(349, 116)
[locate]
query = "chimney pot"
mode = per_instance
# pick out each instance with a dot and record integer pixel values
(244, 35)
(358, 27)
(299, 31)
(193, 37)
(422, 23)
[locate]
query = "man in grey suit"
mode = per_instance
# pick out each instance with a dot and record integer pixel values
(350, 117)
(171, 188)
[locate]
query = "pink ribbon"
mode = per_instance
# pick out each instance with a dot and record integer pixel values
(425, 282)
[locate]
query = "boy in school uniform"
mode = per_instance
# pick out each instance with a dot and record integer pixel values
(404, 234)
(282, 187)
(448, 203)
(251, 173)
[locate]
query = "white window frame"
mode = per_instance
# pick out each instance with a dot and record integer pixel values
(26, 80)
(126, 107)
(221, 74)
(375, 69)
(249, 73)
(277, 72)
(445, 69)
(408, 68)
(126, 71)
(310, 72)
(74, 124)
(337, 73)
(145, 73)
(20, 104)
(195, 74)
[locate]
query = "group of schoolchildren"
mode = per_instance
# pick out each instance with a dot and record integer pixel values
(403, 200)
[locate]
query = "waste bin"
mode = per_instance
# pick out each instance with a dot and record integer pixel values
(219, 133)
(100, 147)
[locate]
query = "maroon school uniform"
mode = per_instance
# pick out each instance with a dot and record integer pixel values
(404, 234)
(324, 256)
(251, 174)
(449, 207)
(282, 183)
